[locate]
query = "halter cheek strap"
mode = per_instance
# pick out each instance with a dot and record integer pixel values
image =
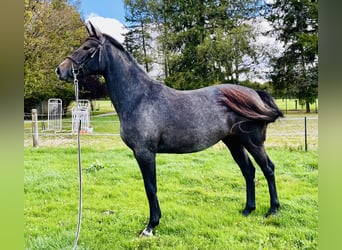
(81, 63)
(92, 55)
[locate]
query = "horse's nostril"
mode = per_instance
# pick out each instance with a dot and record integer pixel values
(57, 71)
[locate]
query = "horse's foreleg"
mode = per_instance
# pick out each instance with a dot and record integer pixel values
(248, 170)
(147, 164)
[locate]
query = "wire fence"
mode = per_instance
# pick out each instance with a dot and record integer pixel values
(295, 132)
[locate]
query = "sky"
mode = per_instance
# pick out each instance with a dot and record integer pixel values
(105, 8)
(107, 15)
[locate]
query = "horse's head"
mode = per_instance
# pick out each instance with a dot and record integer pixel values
(86, 60)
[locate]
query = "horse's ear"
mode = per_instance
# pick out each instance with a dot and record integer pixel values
(93, 30)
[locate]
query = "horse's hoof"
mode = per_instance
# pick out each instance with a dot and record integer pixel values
(146, 233)
(272, 211)
(247, 211)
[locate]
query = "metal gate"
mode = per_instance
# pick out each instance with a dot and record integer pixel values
(55, 112)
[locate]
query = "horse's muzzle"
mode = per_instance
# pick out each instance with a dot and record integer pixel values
(64, 71)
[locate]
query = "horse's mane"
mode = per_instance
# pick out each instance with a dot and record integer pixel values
(250, 104)
(111, 39)
(121, 48)
(115, 42)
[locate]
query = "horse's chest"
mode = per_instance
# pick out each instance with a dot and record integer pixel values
(138, 132)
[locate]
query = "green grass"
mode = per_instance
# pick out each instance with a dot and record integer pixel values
(200, 194)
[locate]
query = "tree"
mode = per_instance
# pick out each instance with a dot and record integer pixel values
(137, 39)
(295, 71)
(52, 30)
(228, 51)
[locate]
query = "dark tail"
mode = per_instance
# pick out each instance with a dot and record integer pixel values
(269, 101)
(253, 105)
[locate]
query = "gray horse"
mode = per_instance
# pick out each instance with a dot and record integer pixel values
(157, 119)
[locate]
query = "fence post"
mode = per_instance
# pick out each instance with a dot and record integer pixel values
(35, 127)
(305, 136)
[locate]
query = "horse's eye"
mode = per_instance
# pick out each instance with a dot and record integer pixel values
(86, 48)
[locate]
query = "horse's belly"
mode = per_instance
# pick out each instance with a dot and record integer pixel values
(187, 141)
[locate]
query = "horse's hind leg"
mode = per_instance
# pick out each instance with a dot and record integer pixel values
(259, 154)
(248, 170)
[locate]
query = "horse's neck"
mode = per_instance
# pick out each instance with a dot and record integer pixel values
(126, 84)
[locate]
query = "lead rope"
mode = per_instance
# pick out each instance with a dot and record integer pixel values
(75, 73)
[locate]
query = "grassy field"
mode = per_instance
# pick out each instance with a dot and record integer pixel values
(200, 194)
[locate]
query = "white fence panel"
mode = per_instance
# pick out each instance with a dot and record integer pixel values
(81, 113)
(55, 112)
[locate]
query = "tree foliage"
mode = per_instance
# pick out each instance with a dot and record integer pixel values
(52, 30)
(295, 72)
(201, 42)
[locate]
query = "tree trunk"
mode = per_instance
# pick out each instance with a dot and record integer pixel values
(307, 107)
(144, 46)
